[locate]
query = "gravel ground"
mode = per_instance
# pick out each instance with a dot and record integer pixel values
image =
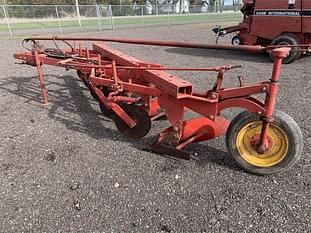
(65, 168)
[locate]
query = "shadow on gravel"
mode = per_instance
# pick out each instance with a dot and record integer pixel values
(70, 106)
(68, 103)
(223, 54)
(210, 155)
(206, 156)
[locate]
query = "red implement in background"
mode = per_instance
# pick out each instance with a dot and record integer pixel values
(270, 23)
(133, 92)
(295, 48)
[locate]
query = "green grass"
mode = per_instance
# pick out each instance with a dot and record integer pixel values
(147, 20)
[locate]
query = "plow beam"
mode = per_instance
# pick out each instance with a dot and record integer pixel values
(169, 83)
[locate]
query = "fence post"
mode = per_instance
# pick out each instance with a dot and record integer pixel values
(58, 19)
(168, 18)
(142, 14)
(111, 17)
(220, 5)
(78, 13)
(99, 17)
(7, 20)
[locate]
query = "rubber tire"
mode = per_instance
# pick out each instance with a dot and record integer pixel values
(236, 38)
(282, 120)
(142, 120)
(290, 39)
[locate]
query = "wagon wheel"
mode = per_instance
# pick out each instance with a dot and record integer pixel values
(140, 116)
(284, 147)
(287, 39)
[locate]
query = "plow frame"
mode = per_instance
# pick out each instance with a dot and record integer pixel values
(158, 92)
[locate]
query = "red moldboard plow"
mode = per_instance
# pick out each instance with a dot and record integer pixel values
(133, 93)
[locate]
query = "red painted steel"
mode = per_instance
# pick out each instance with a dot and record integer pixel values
(246, 48)
(116, 79)
(266, 20)
(270, 101)
(38, 64)
(249, 46)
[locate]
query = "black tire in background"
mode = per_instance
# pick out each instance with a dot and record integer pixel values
(287, 39)
(236, 40)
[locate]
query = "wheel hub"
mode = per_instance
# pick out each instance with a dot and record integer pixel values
(248, 142)
(261, 148)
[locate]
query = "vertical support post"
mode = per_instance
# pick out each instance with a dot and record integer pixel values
(80, 49)
(114, 72)
(271, 96)
(120, 9)
(220, 5)
(7, 20)
(58, 19)
(99, 17)
(99, 58)
(168, 18)
(38, 63)
(111, 17)
(78, 13)
(142, 14)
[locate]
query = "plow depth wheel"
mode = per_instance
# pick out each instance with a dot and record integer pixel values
(284, 143)
(140, 116)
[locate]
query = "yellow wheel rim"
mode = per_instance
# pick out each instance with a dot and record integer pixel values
(277, 140)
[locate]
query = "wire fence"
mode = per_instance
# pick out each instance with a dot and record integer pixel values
(30, 19)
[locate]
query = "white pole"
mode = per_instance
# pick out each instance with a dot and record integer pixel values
(78, 12)
(7, 20)
(142, 14)
(99, 17)
(58, 19)
(111, 17)
(168, 18)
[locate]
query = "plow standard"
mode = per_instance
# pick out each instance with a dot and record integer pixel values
(260, 139)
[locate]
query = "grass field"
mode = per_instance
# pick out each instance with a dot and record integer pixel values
(147, 20)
